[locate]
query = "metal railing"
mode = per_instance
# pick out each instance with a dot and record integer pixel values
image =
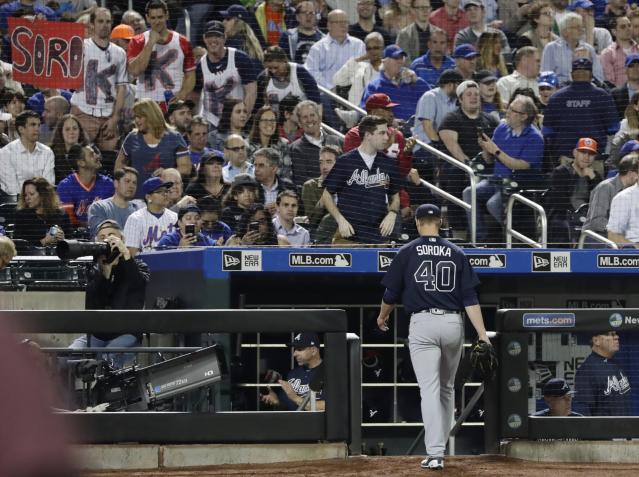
(472, 207)
(510, 233)
(597, 237)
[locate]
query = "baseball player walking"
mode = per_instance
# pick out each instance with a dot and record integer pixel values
(434, 281)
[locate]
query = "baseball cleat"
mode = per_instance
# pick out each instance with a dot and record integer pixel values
(433, 463)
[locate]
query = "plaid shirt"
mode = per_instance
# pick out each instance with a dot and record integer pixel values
(613, 62)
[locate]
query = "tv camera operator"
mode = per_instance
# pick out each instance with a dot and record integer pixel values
(116, 281)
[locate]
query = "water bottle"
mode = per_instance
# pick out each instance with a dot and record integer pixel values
(168, 94)
(53, 231)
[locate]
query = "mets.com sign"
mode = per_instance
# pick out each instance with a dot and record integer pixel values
(549, 320)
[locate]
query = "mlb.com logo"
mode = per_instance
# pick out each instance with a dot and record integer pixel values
(242, 261)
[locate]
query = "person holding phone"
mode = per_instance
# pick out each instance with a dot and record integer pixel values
(189, 230)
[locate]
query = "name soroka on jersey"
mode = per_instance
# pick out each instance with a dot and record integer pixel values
(439, 250)
(362, 177)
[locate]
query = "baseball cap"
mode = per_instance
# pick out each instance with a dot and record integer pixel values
(394, 51)
(212, 156)
(484, 76)
(476, 3)
(122, 32)
(582, 64)
(153, 184)
(548, 79)
(464, 86)
(188, 208)
(379, 101)
(244, 179)
(179, 104)
(585, 4)
(628, 147)
(108, 223)
(304, 340)
(587, 144)
(214, 27)
(556, 388)
(427, 210)
(235, 11)
(465, 50)
(632, 58)
(450, 76)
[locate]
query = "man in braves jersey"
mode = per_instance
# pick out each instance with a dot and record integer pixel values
(99, 102)
(367, 184)
(602, 388)
(435, 282)
(282, 78)
(558, 396)
(85, 186)
(145, 227)
(161, 59)
(222, 73)
(298, 381)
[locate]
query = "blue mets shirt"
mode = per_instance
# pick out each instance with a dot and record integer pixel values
(72, 191)
(362, 193)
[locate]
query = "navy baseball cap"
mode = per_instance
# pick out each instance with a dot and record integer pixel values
(585, 4)
(188, 208)
(556, 388)
(548, 79)
(427, 210)
(153, 184)
(212, 156)
(465, 50)
(475, 3)
(484, 76)
(394, 51)
(628, 147)
(305, 339)
(235, 11)
(215, 28)
(582, 64)
(632, 58)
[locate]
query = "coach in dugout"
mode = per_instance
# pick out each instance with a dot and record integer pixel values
(558, 397)
(602, 387)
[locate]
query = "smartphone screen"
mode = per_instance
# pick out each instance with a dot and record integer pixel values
(189, 229)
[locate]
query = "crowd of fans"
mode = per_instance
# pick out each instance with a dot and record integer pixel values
(222, 133)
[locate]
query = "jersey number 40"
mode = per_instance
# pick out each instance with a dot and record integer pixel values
(440, 277)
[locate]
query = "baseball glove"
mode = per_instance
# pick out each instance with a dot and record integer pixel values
(483, 359)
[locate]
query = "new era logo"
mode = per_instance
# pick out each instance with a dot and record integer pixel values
(230, 261)
(540, 262)
(384, 260)
(556, 262)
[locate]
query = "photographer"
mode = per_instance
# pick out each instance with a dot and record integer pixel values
(116, 282)
(306, 351)
(189, 230)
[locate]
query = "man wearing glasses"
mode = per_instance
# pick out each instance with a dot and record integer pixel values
(145, 227)
(235, 154)
(296, 42)
(516, 145)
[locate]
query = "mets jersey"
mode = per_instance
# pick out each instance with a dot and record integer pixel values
(143, 230)
(167, 66)
(104, 69)
(72, 191)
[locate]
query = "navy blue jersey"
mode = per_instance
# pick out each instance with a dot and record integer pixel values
(602, 388)
(362, 192)
(431, 272)
(300, 379)
(546, 413)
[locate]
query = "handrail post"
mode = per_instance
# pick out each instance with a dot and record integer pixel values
(597, 237)
(509, 222)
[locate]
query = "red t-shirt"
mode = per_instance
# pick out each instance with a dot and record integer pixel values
(274, 22)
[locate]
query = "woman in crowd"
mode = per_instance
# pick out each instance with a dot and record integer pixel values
(628, 129)
(256, 228)
(39, 218)
(233, 120)
(240, 197)
(491, 58)
(288, 126)
(153, 144)
(67, 132)
(398, 15)
(490, 97)
(264, 134)
(12, 103)
(208, 181)
(541, 17)
(239, 35)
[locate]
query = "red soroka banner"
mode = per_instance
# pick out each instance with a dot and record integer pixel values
(47, 54)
